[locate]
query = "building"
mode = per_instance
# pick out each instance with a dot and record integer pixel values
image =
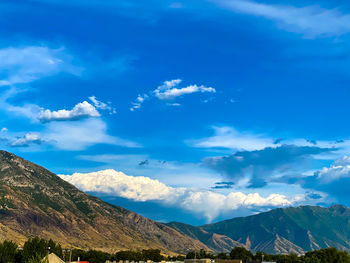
(52, 258)
(196, 260)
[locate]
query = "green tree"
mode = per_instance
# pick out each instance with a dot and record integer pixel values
(36, 259)
(55, 248)
(8, 251)
(327, 255)
(152, 254)
(241, 253)
(94, 256)
(34, 247)
(222, 255)
(199, 254)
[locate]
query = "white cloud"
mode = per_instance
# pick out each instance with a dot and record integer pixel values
(344, 161)
(26, 140)
(338, 170)
(102, 106)
(168, 91)
(117, 183)
(173, 104)
(80, 111)
(26, 110)
(4, 129)
(68, 136)
(34, 112)
(139, 101)
(201, 202)
(228, 137)
(82, 134)
(311, 21)
(26, 64)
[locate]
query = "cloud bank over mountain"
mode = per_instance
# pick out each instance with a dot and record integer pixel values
(199, 201)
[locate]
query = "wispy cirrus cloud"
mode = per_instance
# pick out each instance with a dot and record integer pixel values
(29, 63)
(137, 104)
(136, 8)
(169, 91)
(231, 138)
(102, 105)
(311, 21)
(80, 135)
(67, 136)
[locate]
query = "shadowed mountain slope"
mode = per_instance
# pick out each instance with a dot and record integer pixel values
(280, 230)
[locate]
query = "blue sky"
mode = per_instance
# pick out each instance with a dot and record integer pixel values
(194, 111)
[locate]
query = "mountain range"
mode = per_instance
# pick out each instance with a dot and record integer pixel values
(282, 230)
(36, 202)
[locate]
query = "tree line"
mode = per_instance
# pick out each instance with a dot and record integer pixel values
(326, 255)
(35, 249)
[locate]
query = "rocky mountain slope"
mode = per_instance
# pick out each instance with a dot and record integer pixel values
(214, 241)
(36, 202)
(280, 230)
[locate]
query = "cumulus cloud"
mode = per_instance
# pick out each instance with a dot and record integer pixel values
(26, 64)
(202, 202)
(80, 111)
(312, 21)
(333, 180)
(34, 112)
(258, 166)
(27, 140)
(119, 184)
(169, 91)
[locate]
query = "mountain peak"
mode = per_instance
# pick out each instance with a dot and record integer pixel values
(283, 230)
(338, 208)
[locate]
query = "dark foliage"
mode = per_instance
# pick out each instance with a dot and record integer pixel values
(8, 252)
(35, 249)
(201, 254)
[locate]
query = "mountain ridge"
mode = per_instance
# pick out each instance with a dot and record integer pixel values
(283, 230)
(36, 202)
